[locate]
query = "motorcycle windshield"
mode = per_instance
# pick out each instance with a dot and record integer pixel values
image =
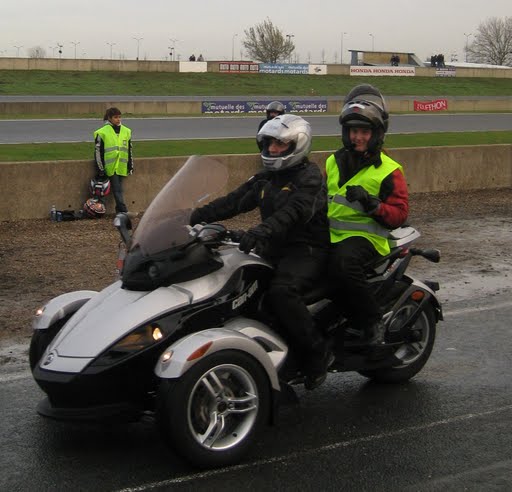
(164, 223)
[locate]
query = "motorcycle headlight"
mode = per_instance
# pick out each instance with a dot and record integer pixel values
(142, 338)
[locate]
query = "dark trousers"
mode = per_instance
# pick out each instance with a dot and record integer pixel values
(297, 273)
(347, 272)
(116, 183)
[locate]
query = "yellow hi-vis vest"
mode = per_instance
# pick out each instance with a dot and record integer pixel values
(348, 219)
(116, 148)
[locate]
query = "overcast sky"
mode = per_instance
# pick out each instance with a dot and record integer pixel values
(215, 28)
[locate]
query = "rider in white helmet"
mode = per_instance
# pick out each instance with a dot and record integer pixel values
(293, 234)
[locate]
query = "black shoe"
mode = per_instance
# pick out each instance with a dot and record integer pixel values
(377, 334)
(316, 372)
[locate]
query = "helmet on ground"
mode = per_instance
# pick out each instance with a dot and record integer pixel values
(369, 93)
(275, 107)
(94, 208)
(290, 129)
(99, 187)
(360, 113)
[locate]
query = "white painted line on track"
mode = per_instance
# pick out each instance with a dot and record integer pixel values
(302, 454)
(477, 309)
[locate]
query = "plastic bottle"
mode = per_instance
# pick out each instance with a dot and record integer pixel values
(53, 213)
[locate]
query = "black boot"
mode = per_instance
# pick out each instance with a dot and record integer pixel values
(316, 368)
(376, 334)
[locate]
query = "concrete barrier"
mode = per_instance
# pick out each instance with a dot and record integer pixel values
(32, 187)
(396, 104)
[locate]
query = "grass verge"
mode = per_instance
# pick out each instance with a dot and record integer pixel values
(165, 148)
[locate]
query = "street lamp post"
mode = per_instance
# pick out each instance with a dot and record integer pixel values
(467, 39)
(341, 48)
(111, 44)
(289, 40)
(233, 47)
(373, 41)
(75, 43)
(172, 47)
(18, 51)
(138, 45)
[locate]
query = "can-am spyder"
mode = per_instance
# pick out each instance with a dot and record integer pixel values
(185, 334)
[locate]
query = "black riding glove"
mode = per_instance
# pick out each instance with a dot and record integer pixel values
(256, 237)
(357, 193)
(247, 242)
(197, 217)
(100, 175)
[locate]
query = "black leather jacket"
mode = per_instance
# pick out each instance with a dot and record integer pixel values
(292, 202)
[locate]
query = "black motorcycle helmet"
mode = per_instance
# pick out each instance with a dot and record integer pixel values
(369, 93)
(275, 107)
(360, 113)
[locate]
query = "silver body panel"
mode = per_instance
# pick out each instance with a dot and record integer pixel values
(109, 315)
(237, 334)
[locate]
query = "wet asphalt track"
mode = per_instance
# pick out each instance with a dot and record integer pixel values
(176, 128)
(448, 429)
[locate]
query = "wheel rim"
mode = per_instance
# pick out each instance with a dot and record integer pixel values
(409, 353)
(222, 407)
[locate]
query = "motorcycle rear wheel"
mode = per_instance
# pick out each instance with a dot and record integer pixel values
(413, 355)
(211, 415)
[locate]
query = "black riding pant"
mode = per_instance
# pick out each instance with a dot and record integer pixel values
(297, 273)
(347, 262)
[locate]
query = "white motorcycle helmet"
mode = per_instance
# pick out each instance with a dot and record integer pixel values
(287, 128)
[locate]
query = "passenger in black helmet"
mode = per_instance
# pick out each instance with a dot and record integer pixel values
(275, 108)
(367, 197)
(293, 234)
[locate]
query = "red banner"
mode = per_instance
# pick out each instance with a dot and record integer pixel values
(437, 105)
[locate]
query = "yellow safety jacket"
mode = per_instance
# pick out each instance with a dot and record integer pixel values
(116, 149)
(348, 219)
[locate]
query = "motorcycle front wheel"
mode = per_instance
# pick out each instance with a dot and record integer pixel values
(211, 415)
(412, 355)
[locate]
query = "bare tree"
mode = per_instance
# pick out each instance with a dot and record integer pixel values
(266, 43)
(36, 52)
(493, 42)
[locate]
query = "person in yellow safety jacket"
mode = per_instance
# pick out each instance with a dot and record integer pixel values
(368, 197)
(113, 154)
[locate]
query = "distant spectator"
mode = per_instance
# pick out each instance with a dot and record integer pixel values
(200, 58)
(440, 61)
(113, 154)
(273, 109)
(433, 61)
(192, 57)
(395, 60)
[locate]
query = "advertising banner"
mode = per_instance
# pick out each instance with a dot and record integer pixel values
(317, 69)
(384, 70)
(304, 106)
(239, 67)
(436, 105)
(445, 72)
(285, 68)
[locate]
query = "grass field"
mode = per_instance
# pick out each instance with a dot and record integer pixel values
(79, 151)
(38, 82)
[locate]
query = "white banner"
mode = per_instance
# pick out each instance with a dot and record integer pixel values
(193, 66)
(382, 70)
(317, 70)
